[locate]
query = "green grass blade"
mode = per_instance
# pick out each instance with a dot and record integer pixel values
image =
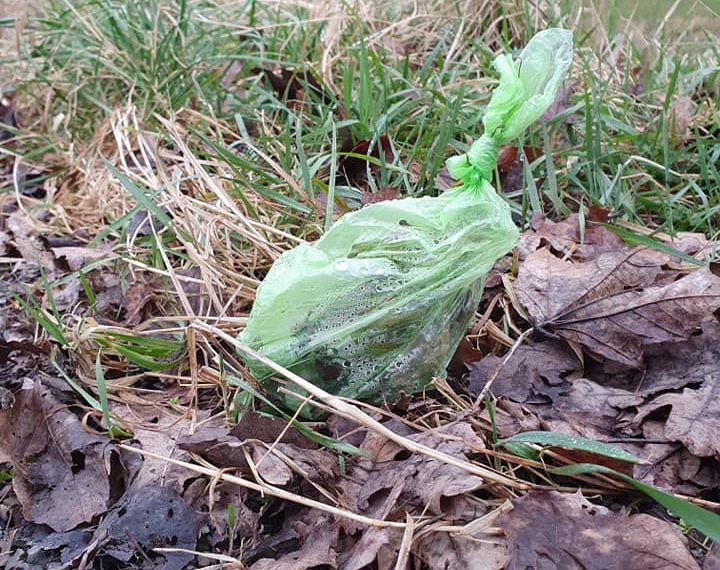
(553, 439)
(102, 393)
(87, 396)
(701, 519)
(325, 441)
(634, 238)
(138, 194)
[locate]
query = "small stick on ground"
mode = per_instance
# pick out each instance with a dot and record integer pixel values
(508, 356)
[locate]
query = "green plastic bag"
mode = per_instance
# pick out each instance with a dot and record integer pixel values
(380, 302)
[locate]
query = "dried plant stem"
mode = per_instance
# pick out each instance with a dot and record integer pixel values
(346, 410)
(267, 489)
(508, 356)
(403, 557)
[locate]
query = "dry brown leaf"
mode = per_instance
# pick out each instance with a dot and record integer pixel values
(565, 238)
(693, 415)
(72, 258)
(378, 545)
(528, 373)
(510, 166)
(586, 408)
(443, 180)
(355, 170)
(318, 548)
(269, 466)
(275, 462)
(382, 195)
(694, 418)
(689, 362)
(156, 429)
(140, 299)
(459, 552)
(511, 418)
(149, 517)
(27, 241)
(712, 558)
(557, 530)
(60, 476)
(269, 429)
(610, 305)
(216, 445)
(674, 468)
(399, 483)
(463, 357)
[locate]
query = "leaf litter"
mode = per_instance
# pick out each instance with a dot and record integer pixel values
(623, 350)
(649, 400)
(561, 530)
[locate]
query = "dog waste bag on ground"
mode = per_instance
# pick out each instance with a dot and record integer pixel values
(379, 304)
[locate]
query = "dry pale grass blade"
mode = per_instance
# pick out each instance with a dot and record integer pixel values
(486, 389)
(404, 553)
(259, 229)
(480, 525)
(411, 28)
(269, 490)
(225, 560)
(87, 196)
(342, 408)
(225, 245)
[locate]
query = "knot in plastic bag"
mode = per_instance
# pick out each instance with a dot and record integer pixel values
(483, 155)
(479, 162)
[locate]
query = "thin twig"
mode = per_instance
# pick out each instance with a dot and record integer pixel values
(508, 356)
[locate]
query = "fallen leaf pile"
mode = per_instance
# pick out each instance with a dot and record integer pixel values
(624, 349)
(621, 346)
(588, 536)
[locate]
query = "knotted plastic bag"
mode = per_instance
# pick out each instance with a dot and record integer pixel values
(380, 302)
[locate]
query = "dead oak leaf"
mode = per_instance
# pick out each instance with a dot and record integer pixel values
(277, 451)
(400, 483)
(60, 474)
(694, 418)
(528, 373)
(673, 468)
(379, 545)
(688, 363)
(568, 237)
(269, 429)
(146, 518)
(557, 530)
(318, 549)
(383, 194)
(362, 163)
(712, 558)
(586, 408)
(610, 305)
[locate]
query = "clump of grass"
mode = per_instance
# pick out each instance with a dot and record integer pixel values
(99, 55)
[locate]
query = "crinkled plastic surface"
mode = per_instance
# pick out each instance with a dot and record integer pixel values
(378, 305)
